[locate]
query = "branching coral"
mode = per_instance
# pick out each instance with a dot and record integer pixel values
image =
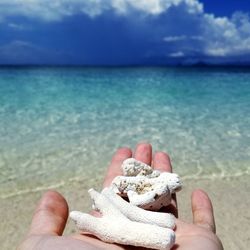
(115, 227)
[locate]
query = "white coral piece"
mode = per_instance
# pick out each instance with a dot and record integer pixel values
(132, 167)
(145, 187)
(135, 213)
(115, 227)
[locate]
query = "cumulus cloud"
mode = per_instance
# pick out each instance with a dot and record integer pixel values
(227, 37)
(57, 9)
(180, 28)
(212, 36)
(153, 7)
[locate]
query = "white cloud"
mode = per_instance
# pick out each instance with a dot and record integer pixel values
(181, 38)
(43, 9)
(227, 37)
(153, 7)
(174, 38)
(57, 9)
(177, 54)
(146, 6)
(19, 27)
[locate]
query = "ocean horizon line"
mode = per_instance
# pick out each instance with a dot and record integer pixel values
(182, 66)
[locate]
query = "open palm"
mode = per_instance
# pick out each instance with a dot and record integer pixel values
(51, 215)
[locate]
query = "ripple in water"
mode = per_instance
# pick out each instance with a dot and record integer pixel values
(63, 124)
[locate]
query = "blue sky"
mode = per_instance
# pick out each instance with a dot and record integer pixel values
(124, 32)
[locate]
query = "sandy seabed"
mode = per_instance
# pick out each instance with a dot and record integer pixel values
(230, 198)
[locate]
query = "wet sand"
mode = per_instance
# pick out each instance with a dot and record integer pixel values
(230, 198)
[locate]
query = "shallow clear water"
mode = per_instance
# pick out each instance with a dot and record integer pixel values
(57, 124)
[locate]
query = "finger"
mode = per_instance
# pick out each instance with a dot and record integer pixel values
(161, 161)
(143, 153)
(115, 165)
(51, 215)
(202, 210)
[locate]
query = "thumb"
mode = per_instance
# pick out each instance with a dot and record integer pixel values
(202, 210)
(50, 216)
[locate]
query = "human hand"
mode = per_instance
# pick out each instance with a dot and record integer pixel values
(51, 214)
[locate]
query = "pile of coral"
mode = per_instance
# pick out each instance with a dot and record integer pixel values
(131, 222)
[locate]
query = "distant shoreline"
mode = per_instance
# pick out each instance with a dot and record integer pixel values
(234, 68)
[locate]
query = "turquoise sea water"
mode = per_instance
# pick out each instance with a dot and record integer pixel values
(60, 124)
